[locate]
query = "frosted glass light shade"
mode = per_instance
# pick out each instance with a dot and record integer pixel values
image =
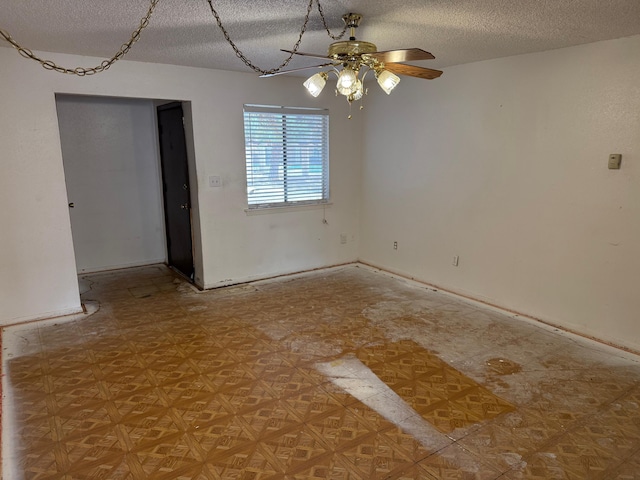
(315, 83)
(347, 81)
(387, 81)
(359, 91)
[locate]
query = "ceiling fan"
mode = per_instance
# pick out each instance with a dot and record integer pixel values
(352, 57)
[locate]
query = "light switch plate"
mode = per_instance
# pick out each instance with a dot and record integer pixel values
(614, 161)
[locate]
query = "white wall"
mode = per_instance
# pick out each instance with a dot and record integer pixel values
(500, 162)
(36, 252)
(504, 163)
(112, 175)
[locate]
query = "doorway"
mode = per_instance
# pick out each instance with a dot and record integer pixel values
(175, 188)
(115, 183)
(112, 177)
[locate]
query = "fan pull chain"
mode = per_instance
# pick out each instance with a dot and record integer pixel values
(135, 36)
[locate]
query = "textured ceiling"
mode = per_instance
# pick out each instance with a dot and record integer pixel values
(184, 32)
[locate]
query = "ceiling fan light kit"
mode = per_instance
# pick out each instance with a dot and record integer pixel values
(352, 59)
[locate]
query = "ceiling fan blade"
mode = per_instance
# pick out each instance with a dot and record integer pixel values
(282, 72)
(315, 55)
(412, 71)
(407, 55)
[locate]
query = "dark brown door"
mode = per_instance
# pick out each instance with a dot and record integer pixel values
(175, 183)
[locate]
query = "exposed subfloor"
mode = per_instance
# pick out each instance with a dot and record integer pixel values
(345, 373)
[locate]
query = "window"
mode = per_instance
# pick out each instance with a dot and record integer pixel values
(287, 154)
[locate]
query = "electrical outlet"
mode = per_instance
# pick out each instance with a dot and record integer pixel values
(455, 261)
(395, 245)
(215, 181)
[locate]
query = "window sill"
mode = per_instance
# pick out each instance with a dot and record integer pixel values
(285, 209)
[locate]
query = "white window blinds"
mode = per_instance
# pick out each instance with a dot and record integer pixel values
(287, 155)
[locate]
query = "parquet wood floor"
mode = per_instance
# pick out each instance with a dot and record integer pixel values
(346, 373)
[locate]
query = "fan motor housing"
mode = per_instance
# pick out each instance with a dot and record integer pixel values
(350, 48)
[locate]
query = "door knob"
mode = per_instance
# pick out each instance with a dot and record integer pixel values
(184, 206)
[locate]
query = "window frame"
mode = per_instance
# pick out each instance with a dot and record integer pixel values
(288, 143)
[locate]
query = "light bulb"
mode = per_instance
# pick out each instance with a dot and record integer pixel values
(387, 81)
(315, 83)
(347, 81)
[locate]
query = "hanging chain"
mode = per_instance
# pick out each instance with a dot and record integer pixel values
(81, 71)
(241, 55)
(135, 36)
(324, 21)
